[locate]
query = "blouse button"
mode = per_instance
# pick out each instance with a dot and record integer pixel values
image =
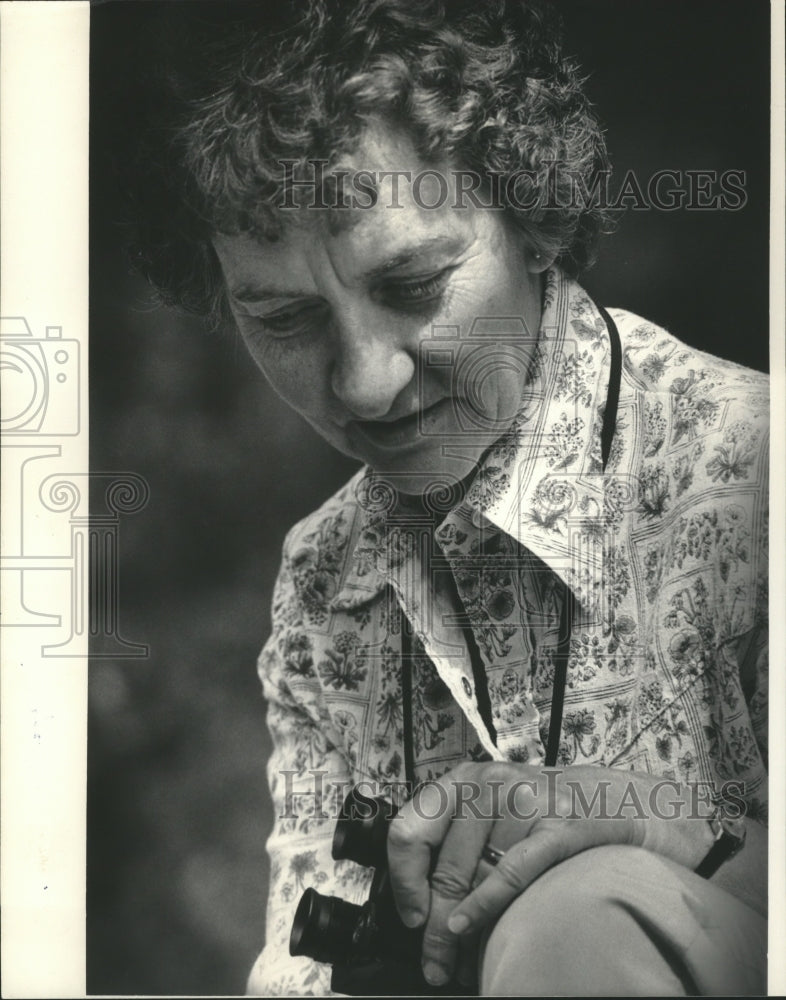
(467, 687)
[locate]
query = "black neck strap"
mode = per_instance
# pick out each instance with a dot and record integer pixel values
(613, 395)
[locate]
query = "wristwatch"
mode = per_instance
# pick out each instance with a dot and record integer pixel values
(729, 838)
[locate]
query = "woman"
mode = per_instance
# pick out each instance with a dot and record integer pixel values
(543, 594)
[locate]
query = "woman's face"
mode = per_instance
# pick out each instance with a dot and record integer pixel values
(403, 337)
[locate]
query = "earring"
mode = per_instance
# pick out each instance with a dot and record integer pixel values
(536, 256)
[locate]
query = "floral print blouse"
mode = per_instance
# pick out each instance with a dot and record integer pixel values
(664, 552)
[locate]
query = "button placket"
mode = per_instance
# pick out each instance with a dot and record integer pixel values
(455, 668)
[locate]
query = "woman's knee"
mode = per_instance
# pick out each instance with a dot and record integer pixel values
(565, 892)
(559, 929)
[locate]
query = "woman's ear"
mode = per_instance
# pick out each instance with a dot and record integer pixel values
(537, 262)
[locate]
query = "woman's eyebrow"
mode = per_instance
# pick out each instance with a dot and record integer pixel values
(410, 252)
(251, 293)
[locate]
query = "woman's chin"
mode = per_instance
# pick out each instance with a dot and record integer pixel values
(425, 473)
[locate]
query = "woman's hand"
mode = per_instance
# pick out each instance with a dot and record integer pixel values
(536, 816)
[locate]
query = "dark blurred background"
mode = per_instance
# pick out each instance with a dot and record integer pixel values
(178, 810)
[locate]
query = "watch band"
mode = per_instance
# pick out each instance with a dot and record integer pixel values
(729, 838)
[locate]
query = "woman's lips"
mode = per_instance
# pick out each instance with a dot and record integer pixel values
(392, 435)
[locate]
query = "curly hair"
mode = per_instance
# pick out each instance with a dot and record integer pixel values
(246, 86)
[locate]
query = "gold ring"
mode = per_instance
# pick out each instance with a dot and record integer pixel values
(491, 855)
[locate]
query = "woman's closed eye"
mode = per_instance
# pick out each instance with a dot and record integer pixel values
(403, 294)
(413, 292)
(293, 319)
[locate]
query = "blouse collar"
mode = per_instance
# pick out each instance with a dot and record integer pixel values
(541, 483)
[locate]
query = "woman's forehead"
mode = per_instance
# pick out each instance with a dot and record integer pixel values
(383, 240)
(381, 146)
(382, 170)
(405, 220)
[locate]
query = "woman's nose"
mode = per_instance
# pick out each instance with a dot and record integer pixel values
(371, 366)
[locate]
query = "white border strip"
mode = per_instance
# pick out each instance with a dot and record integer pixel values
(44, 70)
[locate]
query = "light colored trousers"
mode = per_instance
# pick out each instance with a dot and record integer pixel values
(621, 921)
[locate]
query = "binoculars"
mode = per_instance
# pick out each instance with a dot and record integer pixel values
(372, 952)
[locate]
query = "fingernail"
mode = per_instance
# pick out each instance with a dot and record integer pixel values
(434, 974)
(458, 923)
(411, 918)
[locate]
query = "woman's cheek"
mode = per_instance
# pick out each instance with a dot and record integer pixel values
(462, 302)
(299, 373)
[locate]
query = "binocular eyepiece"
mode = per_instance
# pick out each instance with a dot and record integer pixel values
(370, 949)
(361, 833)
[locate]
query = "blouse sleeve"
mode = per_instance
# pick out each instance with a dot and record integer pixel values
(308, 777)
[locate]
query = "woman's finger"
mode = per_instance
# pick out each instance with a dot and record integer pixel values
(547, 845)
(414, 833)
(451, 881)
